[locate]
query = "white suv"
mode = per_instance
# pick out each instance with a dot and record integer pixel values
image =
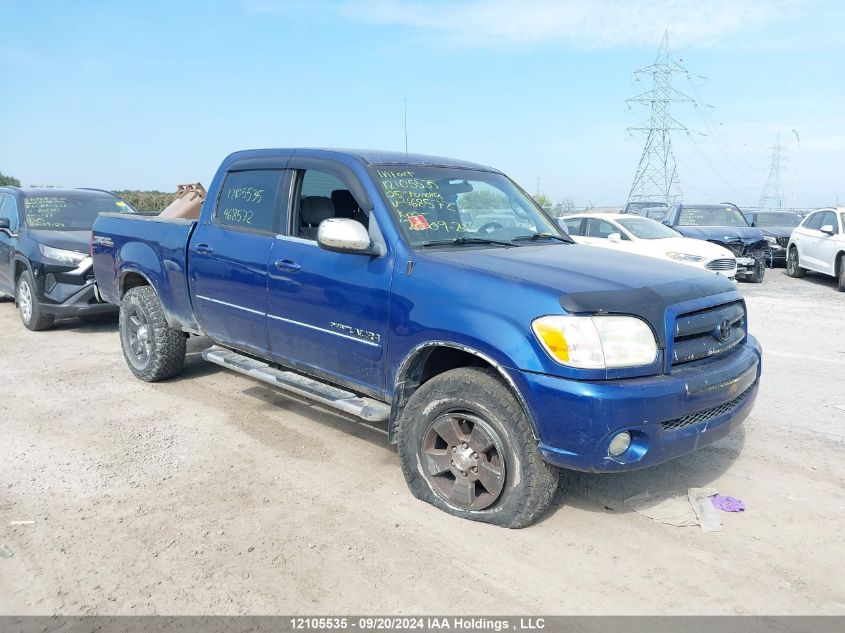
(818, 244)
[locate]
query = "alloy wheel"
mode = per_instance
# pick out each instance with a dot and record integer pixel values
(463, 460)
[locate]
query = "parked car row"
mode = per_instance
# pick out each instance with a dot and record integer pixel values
(813, 241)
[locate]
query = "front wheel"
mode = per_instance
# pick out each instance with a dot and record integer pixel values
(792, 267)
(28, 307)
(152, 349)
(466, 447)
(840, 286)
(757, 274)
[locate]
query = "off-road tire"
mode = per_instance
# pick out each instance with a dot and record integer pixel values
(530, 483)
(756, 276)
(840, 286)
(27, 301)
(792, 267)
(165, 353)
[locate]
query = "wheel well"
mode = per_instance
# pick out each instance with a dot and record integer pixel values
(838, 263)
(20, 266)
(432, 361)
(132, 280)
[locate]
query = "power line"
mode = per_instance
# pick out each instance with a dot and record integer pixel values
(772, 196)
(656, 177)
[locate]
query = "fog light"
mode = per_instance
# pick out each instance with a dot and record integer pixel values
(619, 444)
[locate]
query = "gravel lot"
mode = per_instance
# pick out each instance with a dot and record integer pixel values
(211, 494)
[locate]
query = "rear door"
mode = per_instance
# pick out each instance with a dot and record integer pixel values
(228, 255)
(327, 311)
(9, 211)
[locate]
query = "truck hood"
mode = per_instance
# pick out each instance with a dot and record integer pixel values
(746, 234)
(591, 279)
(79, 241)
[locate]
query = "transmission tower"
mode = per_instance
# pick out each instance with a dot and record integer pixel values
(657, 173)
(772, 196)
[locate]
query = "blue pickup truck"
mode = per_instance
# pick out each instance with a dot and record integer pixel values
(432, 295)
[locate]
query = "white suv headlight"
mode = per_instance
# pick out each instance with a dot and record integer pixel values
(596, 342)
(61, 255)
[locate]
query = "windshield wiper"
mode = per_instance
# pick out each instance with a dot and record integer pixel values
(466, 240)
(538, 236)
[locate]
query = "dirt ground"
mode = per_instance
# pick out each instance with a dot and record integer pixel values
(212, 494)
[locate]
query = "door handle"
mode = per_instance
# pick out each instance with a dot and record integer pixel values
(287, 264)
(203, 249)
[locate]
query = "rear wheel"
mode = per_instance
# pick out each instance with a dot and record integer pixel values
(792, 267)
(28, 307)
(467, 448)
(152, 348)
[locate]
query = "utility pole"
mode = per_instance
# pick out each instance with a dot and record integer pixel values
(772, 196)
(797, 157)
(656, 177)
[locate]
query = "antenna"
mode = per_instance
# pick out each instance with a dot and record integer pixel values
(405, 104)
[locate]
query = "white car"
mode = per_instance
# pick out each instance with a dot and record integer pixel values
(818, 244)
(643, 236)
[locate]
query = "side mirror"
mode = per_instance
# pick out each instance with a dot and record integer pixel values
(615, 238)
(827, 228)
(343, 235)
(5, 224)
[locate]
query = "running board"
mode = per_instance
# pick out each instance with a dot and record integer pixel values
(346, 401)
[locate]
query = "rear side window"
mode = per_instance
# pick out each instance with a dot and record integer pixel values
(573, 226)
(248, 200)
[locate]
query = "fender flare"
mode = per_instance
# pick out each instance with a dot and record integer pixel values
(404, 381)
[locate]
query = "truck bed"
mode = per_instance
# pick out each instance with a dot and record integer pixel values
(154, 248)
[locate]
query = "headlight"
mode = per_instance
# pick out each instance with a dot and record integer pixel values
(61, 255)
(596, 342)
(771, 240)
(684, 257)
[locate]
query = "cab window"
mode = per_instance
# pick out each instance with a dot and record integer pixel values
(248, 200)
(322, 196)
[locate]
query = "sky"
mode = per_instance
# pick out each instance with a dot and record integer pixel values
(145, 95)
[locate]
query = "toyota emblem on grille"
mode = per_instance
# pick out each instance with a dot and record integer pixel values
(722, 331)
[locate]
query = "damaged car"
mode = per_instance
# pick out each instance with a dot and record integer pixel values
(725, 225)
(45, 259)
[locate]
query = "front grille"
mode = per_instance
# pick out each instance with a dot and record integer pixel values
(783, 241)
(721, 264)
(708, 414)
(700, 334)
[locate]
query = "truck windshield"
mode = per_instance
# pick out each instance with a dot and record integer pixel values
(434, 204)
(69, 211)
(711, 216)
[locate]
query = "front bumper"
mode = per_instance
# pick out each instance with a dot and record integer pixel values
(668, 416)
(67, 294)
